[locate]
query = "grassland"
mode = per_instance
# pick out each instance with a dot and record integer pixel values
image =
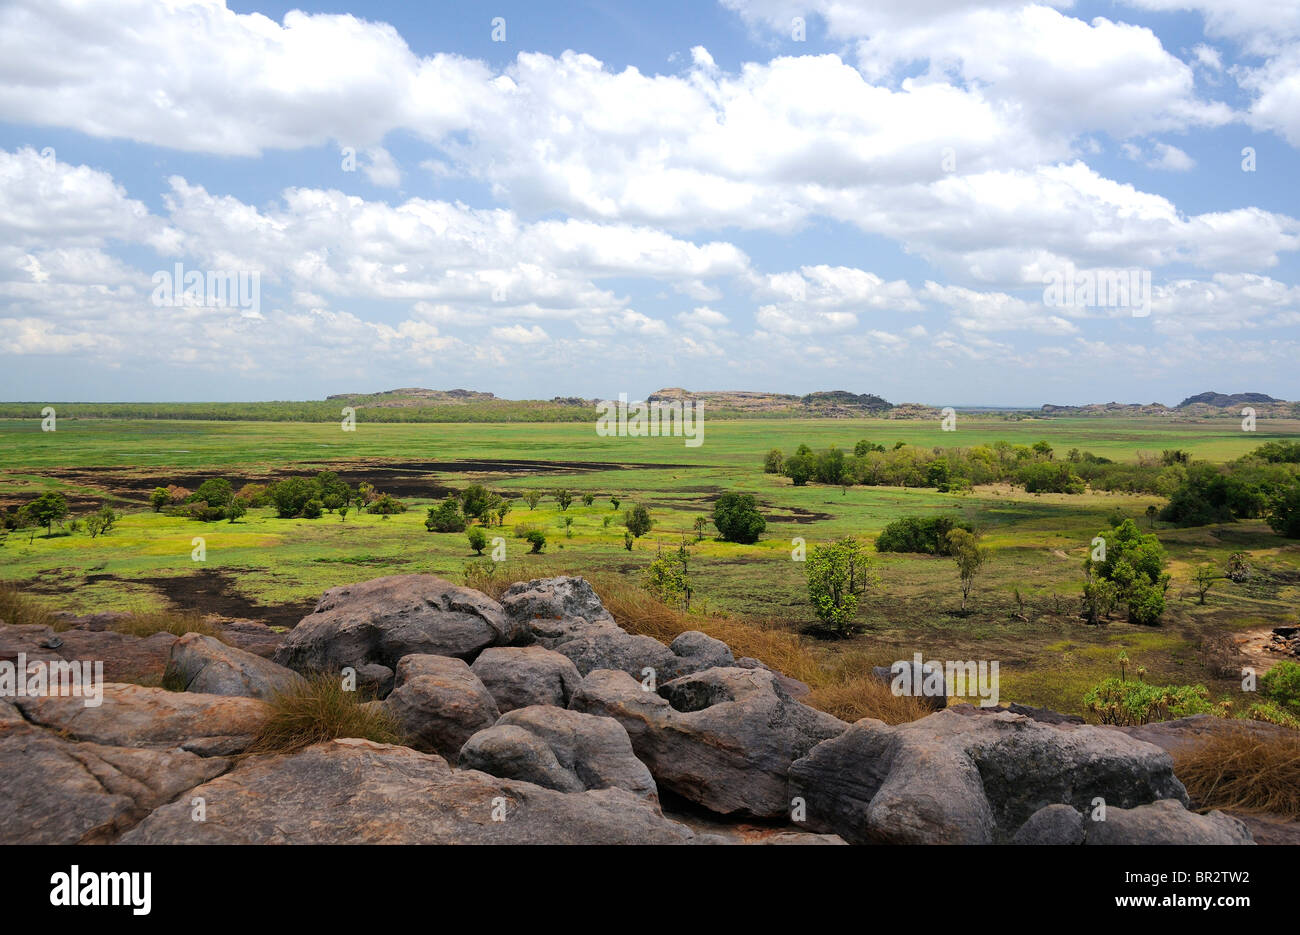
(273, 569)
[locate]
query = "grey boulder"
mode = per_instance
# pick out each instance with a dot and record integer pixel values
(954, 779)
(382, 620)
(559, 749)
(204, 664)
(519, 676)
(723, 738)
(1165, 822)
(439, 703)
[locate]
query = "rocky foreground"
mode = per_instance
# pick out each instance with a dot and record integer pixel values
(539, 720)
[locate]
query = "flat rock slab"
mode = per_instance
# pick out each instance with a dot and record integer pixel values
(136, 716)
(53, 791)
(126, 658)
(359, 792)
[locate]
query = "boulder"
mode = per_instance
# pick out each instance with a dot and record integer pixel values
(557, 600)
(612, 648)
(565, 750)
(440, 703)
(519, 676)
(950, 778)
(1165, 822)
(702, 651)
(358, 792)
(207, 665)
(381, 621)
(723, 738)
(53, 791)
(136, 716)
(1051, 824)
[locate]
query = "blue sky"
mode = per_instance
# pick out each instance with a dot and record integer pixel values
(617, 198)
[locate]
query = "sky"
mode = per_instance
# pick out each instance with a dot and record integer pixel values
(242, 201)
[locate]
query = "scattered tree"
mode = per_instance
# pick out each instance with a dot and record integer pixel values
(477, 539)
(838, 573)
(970, 557)
(638, 521)
(445, 517)
(737, 518)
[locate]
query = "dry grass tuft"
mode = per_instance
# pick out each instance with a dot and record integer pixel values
(1246, 771)
(177, 623)
(19, 609)
(318, 710)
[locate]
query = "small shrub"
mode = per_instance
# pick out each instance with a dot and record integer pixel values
(1282, 684)
(537, 539)
(478, 539)
(1128, 704)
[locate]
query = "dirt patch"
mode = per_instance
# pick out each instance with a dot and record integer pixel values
(800, 516)
(213, 592)
(399, 478)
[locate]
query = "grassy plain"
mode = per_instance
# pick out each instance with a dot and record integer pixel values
(273, 569)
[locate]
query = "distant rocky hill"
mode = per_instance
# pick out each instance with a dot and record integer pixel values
(825, 403)
(1221, 400)
(1203, 405)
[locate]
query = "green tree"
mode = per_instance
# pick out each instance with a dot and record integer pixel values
(312, 509)
(475, 501)
(216, 491)
(537, 539)
(1134, 563)
(737, 518)
(503, 508)
(159, 498)
(701, 524)
(477, 539)
(235, 509)
(588, 499)
(101, 523)
(800, 467)
(970, 557)
(838, 574)
(773, 462)
(386, 505)
(46, 510)
(638, 521)
(445, 517)
(563, 498)
(532, 498)
(1284, 511)
(614, 502)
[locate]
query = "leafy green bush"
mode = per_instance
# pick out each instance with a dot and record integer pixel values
(477, 539)
(924, 534)
(737, 518)
(1282, 684)
(386, 505)
(1127, 704)
(445, 517)
(1050, 477)
(537, 539)
(1134, 563)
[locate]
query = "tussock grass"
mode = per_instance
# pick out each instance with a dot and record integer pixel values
(1245, 771)
(19, 609)
(845, 689)
(318, 710)
(177, 623)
